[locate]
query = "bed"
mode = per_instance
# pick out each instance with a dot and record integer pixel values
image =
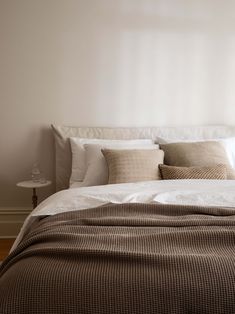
(150, 246)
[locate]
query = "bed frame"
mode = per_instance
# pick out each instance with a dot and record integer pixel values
(63, 133)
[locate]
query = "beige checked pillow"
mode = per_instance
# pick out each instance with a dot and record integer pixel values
(133, 165)
(200, 154)
(217, 172)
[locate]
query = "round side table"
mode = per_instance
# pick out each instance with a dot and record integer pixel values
(33, 185)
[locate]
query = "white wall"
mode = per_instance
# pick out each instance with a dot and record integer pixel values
(107, 63)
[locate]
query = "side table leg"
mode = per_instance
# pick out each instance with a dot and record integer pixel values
(34, 198)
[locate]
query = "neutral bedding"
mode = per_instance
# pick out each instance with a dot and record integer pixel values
(67, 160)
(162, 246)
(188, 192)
(124, 258)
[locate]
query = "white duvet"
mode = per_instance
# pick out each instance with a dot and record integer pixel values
(188, 192)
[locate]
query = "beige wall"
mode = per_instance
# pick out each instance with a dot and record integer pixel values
(109, 63)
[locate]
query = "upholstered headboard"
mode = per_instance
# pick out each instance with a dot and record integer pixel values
(63, 133)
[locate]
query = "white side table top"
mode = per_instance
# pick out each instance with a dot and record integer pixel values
(33, 185)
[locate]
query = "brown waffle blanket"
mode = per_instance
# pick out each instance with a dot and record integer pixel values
(128, 258)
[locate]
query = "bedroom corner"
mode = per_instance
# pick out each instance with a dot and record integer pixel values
(127, 108)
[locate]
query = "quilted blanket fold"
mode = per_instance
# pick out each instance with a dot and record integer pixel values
(126, 258)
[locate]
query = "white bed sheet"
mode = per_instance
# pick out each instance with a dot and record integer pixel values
(189, 192)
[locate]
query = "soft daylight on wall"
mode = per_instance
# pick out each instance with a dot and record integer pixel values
(107, 63)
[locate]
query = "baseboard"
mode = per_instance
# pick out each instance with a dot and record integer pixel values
(11, 220)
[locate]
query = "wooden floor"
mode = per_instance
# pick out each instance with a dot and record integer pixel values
(5, 245)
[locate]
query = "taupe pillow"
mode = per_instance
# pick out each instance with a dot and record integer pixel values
(133, 165)
(208, 153)
(217, 172)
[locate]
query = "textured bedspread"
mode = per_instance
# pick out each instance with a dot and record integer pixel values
(128, 258)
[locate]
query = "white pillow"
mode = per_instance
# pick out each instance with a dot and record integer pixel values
(79, 158)
(228, 144)
(97, 169)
